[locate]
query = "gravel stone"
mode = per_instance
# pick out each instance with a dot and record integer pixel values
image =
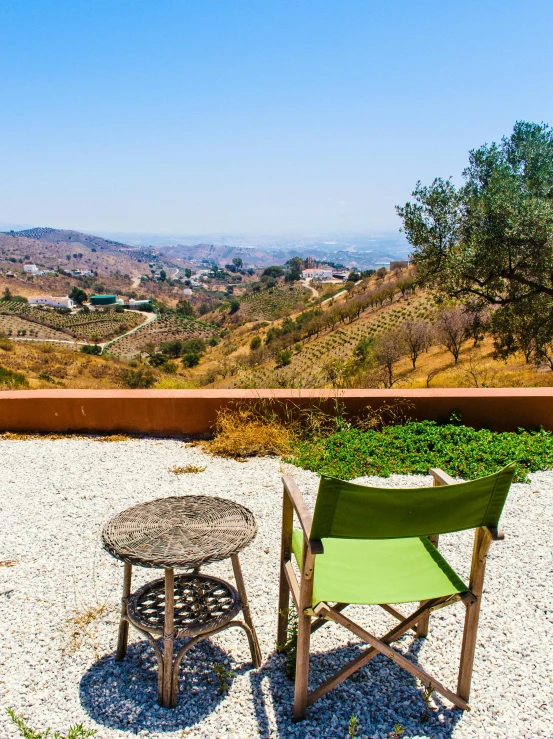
(57, 494)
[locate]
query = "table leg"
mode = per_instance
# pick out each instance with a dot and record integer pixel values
(123, 623)
(168, 637)
(254, 643)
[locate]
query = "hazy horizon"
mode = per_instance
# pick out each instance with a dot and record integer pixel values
(252, 118)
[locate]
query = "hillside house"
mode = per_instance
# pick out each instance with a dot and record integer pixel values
(317, 273)
(52, 302)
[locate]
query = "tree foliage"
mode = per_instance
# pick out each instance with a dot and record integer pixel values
(493, 237)
(490, 241)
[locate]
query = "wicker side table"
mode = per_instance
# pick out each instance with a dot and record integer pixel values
(186, 532)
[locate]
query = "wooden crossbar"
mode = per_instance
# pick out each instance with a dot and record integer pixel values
(368, 654)
(380, 646)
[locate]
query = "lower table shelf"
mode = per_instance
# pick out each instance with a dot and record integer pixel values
(199, 606)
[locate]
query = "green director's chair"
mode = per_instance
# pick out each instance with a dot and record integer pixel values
(379, 546)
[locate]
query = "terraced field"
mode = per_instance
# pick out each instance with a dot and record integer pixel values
(307, 367)
(274, 303)
(15, 326)
(167, 327)
(96, 325)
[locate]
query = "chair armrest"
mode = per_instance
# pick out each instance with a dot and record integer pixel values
(495, 532)
(442, 478)
(305, 518)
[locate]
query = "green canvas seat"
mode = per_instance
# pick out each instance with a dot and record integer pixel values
(373, 571)
(379, 546)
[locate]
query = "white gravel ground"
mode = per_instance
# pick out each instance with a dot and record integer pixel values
(56, 495)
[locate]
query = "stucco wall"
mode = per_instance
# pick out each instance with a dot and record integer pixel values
(189, 412)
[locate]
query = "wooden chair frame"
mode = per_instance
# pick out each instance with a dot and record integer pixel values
(302, 593)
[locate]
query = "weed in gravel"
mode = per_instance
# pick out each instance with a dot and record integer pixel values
(77, 626)
(353, 726)
(187, 469)
(77, 731)
(290, 648)
(224, 677)
(8, 562)
(427, 696)
(397, 732)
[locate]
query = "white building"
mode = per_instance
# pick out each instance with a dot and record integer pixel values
(134, 303)
(317, 273)
(31, 269)
(52, 302)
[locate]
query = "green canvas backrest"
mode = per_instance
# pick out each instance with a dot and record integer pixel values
(345, 510)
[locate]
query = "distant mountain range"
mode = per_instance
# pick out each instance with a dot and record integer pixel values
(353, 250)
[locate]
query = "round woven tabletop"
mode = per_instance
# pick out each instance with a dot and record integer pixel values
(188, 531)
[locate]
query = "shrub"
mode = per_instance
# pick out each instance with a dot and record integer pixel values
(415, 447)
(157, 359)
(255, 343)
(185, 308)
(10, 380)
(234, 306)
(136, 379)
(78, 295)
(283, 357)
(172, 348)
(91, 349)
(5, 343)
(196, 345)
(170, 367)
(191, 359)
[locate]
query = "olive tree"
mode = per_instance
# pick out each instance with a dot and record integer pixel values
(451, 329)
(416, 337)
(492, 237)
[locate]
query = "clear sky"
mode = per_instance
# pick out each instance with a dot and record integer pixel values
(297, 116)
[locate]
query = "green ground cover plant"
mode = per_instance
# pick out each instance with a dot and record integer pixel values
(414, 447)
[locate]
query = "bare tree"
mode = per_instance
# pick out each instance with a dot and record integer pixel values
(388, 349)
(451, 329)
(416, 337)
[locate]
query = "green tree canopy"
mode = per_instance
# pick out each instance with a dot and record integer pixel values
(492, 238)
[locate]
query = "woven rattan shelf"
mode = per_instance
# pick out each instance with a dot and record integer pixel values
(202, 603)
(186, 532)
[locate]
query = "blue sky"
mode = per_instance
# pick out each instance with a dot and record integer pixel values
(255, 117)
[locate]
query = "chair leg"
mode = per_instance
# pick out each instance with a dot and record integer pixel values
(302, 667)
(304, 636)
(468, 649)
(123, 637)
(284, 588)
(480, 550)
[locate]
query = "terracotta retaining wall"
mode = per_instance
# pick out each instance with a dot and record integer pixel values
(191, 412)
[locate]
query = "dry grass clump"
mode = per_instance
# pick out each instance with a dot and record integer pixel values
(186, 470)
(8, 562)
(113, 437)
(13, 436)
(5, 343)
(273, 427)
(78, 625)
(24, 436)
(241, 432)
